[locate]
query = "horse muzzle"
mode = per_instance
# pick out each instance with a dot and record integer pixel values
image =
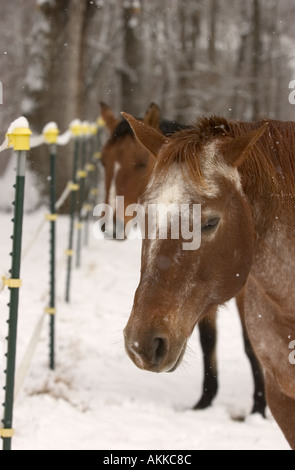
(153, 351)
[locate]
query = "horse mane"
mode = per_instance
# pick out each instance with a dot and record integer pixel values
(123, 129)
(169, 127)
(271, 163)
(269, 167)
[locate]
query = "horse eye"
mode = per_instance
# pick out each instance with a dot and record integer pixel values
(210, 224)
(140, 165)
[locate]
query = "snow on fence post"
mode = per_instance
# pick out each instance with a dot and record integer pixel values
(50, 133)
(19, 138)
(75, 127)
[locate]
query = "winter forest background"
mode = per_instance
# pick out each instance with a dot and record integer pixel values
(60, 58)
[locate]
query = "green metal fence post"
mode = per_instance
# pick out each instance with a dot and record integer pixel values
(20, 140)
(92, 190)
(50, 134)
(76, 130)
(82, 174)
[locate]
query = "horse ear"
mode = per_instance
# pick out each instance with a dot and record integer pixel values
(147, 136)
(152, 116)
(108, 116)
(238, 149)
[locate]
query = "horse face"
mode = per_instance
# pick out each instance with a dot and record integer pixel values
(179, 287)
(127, 167)
(127, 163)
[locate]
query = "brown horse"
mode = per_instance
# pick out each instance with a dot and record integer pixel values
(243, 175)
(126, 162)
(134, 166)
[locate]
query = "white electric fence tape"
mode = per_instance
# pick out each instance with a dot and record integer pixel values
(27, 357)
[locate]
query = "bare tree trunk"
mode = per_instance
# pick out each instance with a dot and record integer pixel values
(73, 66)
(189, 19)
(256, 56)
(240, 83)
(212, 37)
(54, 90)
(132, 60)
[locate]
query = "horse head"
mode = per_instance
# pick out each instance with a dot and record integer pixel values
(178, 287)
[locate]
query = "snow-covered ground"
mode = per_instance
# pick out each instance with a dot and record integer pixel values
(96, 398)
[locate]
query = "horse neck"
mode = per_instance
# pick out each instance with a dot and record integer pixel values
(270, 208)
(274, 221)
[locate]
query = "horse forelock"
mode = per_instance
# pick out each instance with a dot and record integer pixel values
(190, 146)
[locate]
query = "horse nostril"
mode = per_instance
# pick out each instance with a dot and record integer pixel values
(160, 348)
